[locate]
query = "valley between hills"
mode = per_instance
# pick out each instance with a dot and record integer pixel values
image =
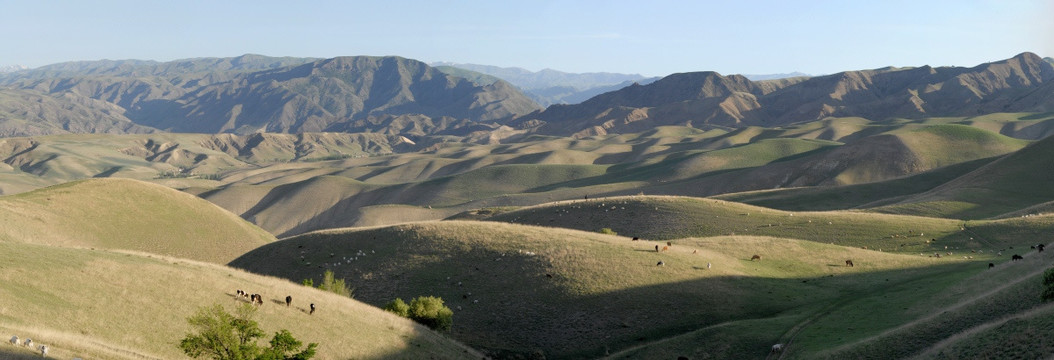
(623, 226)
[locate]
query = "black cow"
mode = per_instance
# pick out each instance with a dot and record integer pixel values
(1016, 257)
(288, 300)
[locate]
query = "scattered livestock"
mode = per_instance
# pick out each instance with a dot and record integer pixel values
(312, 309)
(1016, 257)
(708, 266)
(660, 263)
(669, 243)
(28, 343)
(43, 350)
(256, 299)
(755, 257)
(849, 263)
(664, 248)
(991, 265)
(14, 340)
(1039, 248)
(636, 238)
(695, 252)
(656, 248)
(288, 300)
(777, 348)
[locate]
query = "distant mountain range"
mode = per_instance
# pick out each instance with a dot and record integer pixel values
(399, 96)
(708, 99)
(548, 86)
(12, 68)
(252, 93)
(759, 77)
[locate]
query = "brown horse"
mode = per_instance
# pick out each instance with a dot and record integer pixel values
(849, 263)
(755, 257)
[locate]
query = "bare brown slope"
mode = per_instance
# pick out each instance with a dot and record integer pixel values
(130, 215)
(706, 98)
(328, 94)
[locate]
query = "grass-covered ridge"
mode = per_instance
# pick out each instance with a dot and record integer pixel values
(102, 304)
(130, 215)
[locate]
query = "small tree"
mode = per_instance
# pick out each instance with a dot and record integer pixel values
(430, 311)
(1048, 285)
(223, 336)
(399, 307)
(607, 231)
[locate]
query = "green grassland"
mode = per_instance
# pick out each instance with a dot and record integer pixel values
(606, 296)
(103, 304)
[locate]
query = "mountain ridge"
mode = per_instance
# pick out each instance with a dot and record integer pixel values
(707, 99)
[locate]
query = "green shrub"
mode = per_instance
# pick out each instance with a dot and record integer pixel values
(430, 311)
(1048, 285)
(399, 307)
(224, 336)
(608, 231)
(308, 282)
(334, 285)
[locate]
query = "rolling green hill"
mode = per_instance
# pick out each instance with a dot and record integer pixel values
(523, 291)
(128, 215)
(103, 304)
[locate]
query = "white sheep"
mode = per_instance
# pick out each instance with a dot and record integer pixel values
(14, 339)
(43, 350)
(28, 343)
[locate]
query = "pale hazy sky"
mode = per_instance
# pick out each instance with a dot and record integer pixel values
(651, 38)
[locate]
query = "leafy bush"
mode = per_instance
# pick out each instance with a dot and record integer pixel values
(430, 311)
(608, 231)
(224, 336)
(1048, 285)
(399, 307)
(308, 282)
(426, 310)
(333, 285)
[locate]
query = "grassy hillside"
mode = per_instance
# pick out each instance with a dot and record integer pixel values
(100, 304)
(665, 217)
(570, 294)
(127, 214)
(1019, 180)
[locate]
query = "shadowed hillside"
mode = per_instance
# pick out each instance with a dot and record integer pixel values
(129, 215)
(569, 294)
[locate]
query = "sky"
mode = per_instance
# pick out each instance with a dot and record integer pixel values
(651, 38)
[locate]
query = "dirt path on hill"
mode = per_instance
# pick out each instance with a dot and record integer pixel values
(956, 306)
(932, 350)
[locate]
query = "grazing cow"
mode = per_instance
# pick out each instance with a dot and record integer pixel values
(669, 243)
(777, 348)
(28, 343)
(656, 248)
(660, 263)
(664, 248)
(849, 263)
(636, 238)
(43, 350)
(991, 265)
(288, 300)
(312, 309)
(708, 266)
(240, 292)
(755, 257)
(14, 340)
(1016, 257)
(1039, 247)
